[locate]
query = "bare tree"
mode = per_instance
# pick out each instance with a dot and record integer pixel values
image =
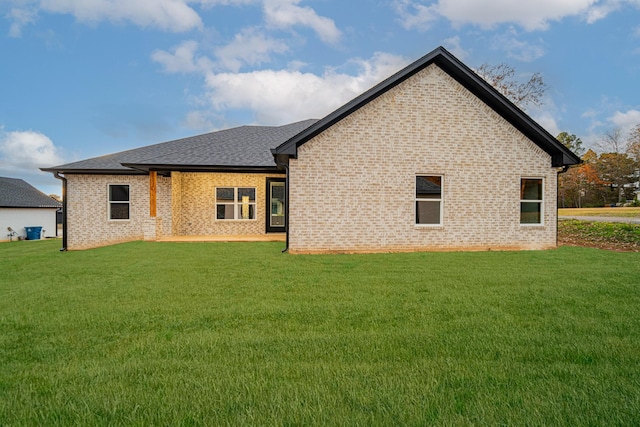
(614, 164)
(503, 78)
(633, 150)
(633, 144)
(612, 141)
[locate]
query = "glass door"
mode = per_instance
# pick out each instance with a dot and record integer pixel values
(276, 194)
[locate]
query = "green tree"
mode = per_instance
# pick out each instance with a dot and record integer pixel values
(581, 186)
(633, 150)
(615, 166)
(572, 142)
(616, 170)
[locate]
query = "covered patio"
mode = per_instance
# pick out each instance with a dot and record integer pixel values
(271, 237)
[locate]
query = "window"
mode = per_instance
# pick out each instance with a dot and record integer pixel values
(531, 201)
(429, 200)
(235, 203)
(119, 202)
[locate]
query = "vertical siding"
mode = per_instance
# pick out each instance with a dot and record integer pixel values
(19, 218)
(353, 186)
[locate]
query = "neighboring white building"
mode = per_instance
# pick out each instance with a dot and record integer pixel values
(21, 206)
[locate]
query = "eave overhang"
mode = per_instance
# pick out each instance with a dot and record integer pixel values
(93, 171)
(148, 167)
(144, 169)
(31, 207)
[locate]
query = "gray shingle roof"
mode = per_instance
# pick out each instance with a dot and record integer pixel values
(240, 147)
(16, 193)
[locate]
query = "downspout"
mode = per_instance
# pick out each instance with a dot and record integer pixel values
(286, 205)
(561, 170)
(64, 210)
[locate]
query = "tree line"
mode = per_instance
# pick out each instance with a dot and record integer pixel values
(610, 178)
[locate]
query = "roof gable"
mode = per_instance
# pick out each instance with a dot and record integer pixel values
(560, 155)
(16, 193)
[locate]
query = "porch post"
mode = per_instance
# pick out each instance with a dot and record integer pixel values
(153, 179)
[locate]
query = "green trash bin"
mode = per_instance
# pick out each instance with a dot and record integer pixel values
(33, 233)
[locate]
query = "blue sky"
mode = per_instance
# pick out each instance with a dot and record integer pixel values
(82, 78)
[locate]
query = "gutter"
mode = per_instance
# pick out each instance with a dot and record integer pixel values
(64, 210)
(561, 170)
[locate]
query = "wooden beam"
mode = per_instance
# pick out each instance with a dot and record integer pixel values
(153, 179)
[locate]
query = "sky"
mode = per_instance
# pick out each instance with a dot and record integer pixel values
(83, 78)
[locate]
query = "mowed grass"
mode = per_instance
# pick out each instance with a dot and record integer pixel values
(240, 334)
(615, 212)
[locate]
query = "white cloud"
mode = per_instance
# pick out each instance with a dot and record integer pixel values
(547, 119)
(414, 15)
(531, 15)
(547, 115)
(27, 150)
(453, 44)
(170, 15)
(517, 49)
(210, 3)
(198, 120)
(626, 121)
(250, 47)
(282, 96)
(20, 18)
(285, 14)
(182, 59)
(600, 11)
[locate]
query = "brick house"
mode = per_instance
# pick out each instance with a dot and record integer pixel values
(433, 158)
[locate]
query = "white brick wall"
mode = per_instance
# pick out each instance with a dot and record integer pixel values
(87, 219)
(353, 186)
(185, 206)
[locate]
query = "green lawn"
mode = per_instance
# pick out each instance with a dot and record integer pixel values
(240, 334)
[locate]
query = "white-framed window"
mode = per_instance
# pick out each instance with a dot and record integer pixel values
(531, 201)
(428, 199)
(238, 203)
(119, 202)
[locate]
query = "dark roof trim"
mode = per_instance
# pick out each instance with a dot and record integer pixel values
(146, 168)
(560, 155)
(93, 171)
(31, 207)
